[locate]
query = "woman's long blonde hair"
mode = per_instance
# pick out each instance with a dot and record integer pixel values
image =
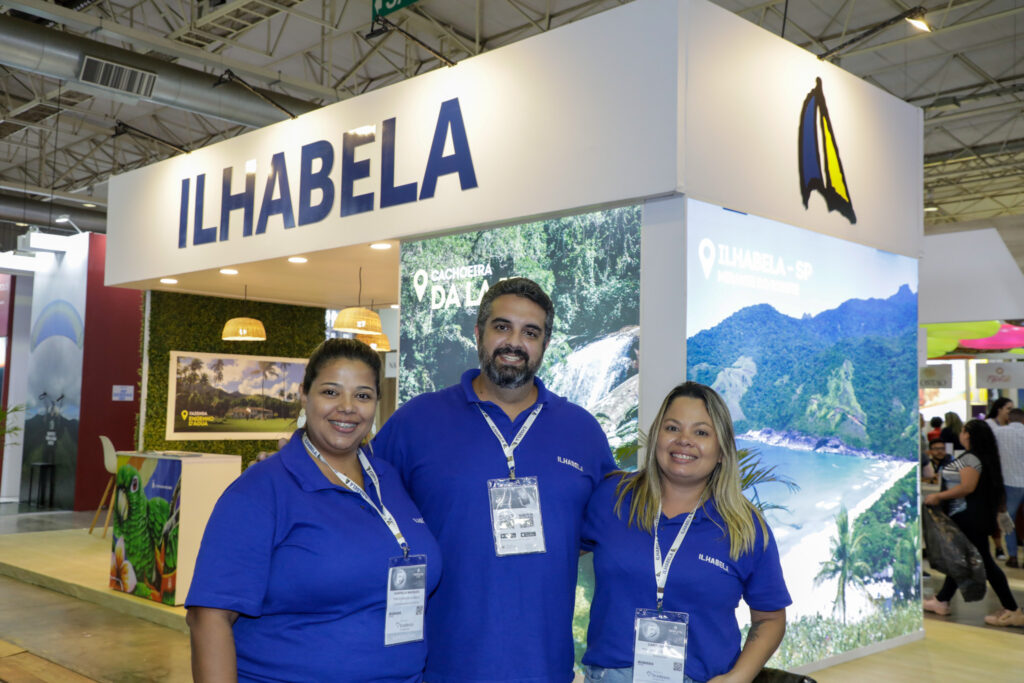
(723, 485)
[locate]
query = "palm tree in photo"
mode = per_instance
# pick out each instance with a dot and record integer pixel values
(845, 564)
(217, 368)
(266, 369)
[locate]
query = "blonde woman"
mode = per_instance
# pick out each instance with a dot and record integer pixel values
(681, 522)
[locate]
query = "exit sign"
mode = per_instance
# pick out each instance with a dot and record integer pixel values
(383, 7)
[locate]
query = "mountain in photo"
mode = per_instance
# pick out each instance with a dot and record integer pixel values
(849, 373)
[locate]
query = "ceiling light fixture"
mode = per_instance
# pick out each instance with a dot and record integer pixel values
(915, 15)
(64, 218)
(929, 209)
(228, 271)
(244, 329)
(168, 281)
(356, 319)
(381, 246)
(378, 342)
(297, 259)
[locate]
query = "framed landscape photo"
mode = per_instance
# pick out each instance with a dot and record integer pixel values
(215, 396)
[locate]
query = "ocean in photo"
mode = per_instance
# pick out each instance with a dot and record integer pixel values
(804, 528)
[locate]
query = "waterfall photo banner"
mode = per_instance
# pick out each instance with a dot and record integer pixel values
(589, 264)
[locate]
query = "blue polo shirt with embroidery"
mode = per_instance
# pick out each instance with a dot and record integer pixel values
(496, 618)
(305, 562)
(703, 581)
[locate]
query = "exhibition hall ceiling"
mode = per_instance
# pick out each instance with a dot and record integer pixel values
(62, 137)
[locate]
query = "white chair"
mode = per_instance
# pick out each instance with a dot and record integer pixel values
(110, 462)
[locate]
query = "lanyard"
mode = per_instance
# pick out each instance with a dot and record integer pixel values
(661, 570)
(508, 448)
(382, 511)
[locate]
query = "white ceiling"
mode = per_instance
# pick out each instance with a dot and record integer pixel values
(60, 140)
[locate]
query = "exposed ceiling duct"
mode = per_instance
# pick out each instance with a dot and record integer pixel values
(97, 66)
(21, 210)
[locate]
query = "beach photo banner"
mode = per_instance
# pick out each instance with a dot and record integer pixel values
(215, 396)
(811, 341)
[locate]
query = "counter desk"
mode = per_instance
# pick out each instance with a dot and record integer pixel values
(163, 499)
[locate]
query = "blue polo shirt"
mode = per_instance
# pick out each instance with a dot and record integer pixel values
(703, 581)
(305, 562)
(497, 618)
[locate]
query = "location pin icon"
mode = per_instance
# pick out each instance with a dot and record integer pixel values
(419, 283)
(706, 252)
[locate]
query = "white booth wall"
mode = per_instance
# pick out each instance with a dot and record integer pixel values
(653, 103)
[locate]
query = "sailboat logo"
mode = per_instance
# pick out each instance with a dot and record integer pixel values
(821, 168)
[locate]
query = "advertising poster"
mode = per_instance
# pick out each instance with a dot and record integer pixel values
(812, 341)
(590, 266)
(223, 396)
(54, 392)
(147, 499)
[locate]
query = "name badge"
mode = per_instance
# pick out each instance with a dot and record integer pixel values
(659, 646)
(515, 516)
(407, 599)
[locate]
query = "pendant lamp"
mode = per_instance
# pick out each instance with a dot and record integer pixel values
(358, 320)
(378, 342)
(244, 329)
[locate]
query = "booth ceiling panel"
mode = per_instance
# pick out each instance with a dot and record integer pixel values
(967, 75)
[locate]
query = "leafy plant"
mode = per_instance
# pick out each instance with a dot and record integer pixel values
(844, 564)
(7, 429)
(753, 474)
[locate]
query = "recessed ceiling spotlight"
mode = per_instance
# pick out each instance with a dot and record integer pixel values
(297, 259)
(929, 209)
(228, 271)
(89, 205)
(22, 225)
(395, 306)
(380, 246)
(168, 281)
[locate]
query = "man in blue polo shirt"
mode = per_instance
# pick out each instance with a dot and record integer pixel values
(502, 470)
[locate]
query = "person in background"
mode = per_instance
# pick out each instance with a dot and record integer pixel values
(998, 412)
(972, 490)
(504, 608)
(292, 577)
(927, 469)
(936, 430)
(1010, 439)
(685, 496)
(938, 457)
(950, 434)
(997, 417)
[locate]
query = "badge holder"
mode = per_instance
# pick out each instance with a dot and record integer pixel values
(659, 646)
(515, 516)
(407, 599)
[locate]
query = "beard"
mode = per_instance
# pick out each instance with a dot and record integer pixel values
(504, 376)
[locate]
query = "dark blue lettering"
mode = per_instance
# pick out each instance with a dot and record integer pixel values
(231, 202)
(278, 179)
(460, 161)
(351, 171)
(389, 194)
(183, 214)
(202, 235)
(321, 180)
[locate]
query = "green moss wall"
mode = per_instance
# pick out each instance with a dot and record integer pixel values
(183, 322)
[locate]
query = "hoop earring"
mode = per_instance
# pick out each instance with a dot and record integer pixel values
(300, 421)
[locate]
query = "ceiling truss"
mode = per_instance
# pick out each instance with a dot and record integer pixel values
(59, 140)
